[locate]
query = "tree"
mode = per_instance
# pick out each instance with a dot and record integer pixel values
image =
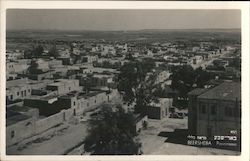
(38, 51)
(159, 91)
(33, 52)
(112, 133)
(27, 54)
(33, 68)
(136, 83)
(54, 52)
(202, 76)
(184, 78)
(129, 56)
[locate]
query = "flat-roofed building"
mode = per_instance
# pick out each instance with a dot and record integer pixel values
(102, 79)
(22, 88)
(54, 63)
(81, 102)
(17, 67)
(17, 89)
(217, 111)
(47, 104)
(160, 109)
(63, 86)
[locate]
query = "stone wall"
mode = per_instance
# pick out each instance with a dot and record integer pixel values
(48, 122)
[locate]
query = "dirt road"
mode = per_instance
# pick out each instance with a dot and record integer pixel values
(58, 144)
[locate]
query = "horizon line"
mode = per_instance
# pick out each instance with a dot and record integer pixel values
(120, 29)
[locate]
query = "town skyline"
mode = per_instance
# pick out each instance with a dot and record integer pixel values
(121, 20)
(161, 88)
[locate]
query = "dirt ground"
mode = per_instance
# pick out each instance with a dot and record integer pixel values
(57, 144)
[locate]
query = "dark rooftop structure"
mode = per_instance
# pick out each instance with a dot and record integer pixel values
(224, 91)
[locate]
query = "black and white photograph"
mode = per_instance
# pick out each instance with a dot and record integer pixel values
(90, 82)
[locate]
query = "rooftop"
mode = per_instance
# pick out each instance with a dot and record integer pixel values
(224, 91)
(81, 94)
(65, 80)
(49, 97)
(19, 108)
(16, 83)
(56, 84)
(24, 82)
(61, 82)
(102, 76)
(91, 94)
(14, 117)
(197, 91)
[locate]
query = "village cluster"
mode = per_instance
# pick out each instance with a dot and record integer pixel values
(57, 82)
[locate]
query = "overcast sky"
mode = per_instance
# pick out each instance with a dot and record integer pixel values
(121, 19)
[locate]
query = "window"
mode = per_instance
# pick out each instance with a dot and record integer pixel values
(11, 97)
(24, 92)
(237, 112)
(228, 111)
(29, 90)
(95, 101)
(17, 93)
(203, 109)
(213, 110)
(74, 103)
(209, 131)
(12, 134)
